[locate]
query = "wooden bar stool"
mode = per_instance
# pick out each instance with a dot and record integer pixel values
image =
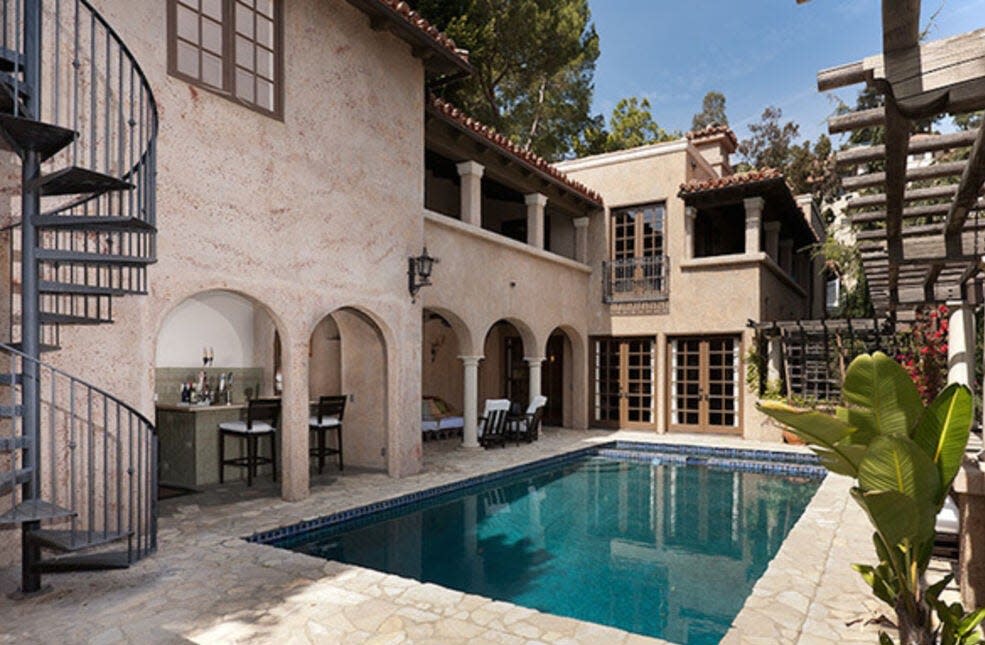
(262, 416)
(328, 417)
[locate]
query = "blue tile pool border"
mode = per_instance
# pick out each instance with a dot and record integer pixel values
(740, 459)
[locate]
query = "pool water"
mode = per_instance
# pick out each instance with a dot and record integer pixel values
(670, 551)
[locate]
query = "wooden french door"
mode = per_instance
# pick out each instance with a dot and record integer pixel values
(704, 388)
(623, 382)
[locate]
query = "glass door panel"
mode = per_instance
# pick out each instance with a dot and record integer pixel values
(704, 384)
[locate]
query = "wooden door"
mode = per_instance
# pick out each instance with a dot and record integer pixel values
(623, 383)
(704, 385)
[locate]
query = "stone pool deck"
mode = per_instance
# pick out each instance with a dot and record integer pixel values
(207, 585)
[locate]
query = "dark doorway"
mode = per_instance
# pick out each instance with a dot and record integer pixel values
(552, 380)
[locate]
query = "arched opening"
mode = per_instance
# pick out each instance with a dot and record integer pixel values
(442, 387)
(504, 374)
(557, 379)
(215, 352)
(348, 356)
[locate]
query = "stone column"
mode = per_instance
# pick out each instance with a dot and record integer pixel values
(470, 404)
(772, 230)
(293, 455)
(535, 365)
(754, 219)
(690, 215)
(774, 359)
(535, 219)
(581, 239)
(961, 344)
(470, 173)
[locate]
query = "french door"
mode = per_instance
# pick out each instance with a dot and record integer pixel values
(623, 382)
(637, 265)
(705, 387)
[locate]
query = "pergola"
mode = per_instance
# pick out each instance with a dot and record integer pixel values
(919, 230)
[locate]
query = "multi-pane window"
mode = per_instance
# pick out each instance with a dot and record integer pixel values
(229, 46)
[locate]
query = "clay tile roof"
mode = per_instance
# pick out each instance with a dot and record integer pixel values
(711, 131)
(418, 21)
(502, 142)
(739, 179)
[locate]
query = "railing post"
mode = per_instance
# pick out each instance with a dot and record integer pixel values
(30, 319)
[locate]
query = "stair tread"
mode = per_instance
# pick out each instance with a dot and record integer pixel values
(34, 510)
(11, 379)
(27, 134)
(52, 318)
(46, 286)
(12, 478)
(85, 562)
(80, 257)
(10, 444)
(45, 347)
(95, 223)
(9, 411)
(76, 180)
(70, 541)
(10, 60)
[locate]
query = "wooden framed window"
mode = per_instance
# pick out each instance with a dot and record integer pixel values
(231, 47)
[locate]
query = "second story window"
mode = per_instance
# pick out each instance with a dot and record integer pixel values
(232, 47)
(638, 268)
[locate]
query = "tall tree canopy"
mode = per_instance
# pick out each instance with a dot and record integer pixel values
(630, 125)
(770, 141)
(712, 112)
(534, 63)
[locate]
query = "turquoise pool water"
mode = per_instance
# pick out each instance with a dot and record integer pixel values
(670, 551)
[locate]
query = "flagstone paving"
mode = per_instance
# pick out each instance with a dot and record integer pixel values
(206, 584)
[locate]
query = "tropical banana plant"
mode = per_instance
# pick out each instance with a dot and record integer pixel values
(903, 457)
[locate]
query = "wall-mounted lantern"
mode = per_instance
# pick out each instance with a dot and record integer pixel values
(419, 272)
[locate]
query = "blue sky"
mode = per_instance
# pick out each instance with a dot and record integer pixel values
(756, 52)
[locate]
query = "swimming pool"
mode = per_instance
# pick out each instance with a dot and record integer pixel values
(666, 542)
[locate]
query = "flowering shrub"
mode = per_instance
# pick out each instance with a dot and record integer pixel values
(923, 351)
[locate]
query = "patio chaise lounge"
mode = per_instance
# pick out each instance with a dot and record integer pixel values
(492, 423)
(528, 428)
(438, 419)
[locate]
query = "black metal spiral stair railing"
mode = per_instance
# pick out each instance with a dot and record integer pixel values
(77, 110)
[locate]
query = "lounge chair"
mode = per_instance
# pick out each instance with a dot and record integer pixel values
(528, 427)
(492, 423)
(439, 420)
(946, 526)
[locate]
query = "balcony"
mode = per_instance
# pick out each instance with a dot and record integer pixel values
(635, 279)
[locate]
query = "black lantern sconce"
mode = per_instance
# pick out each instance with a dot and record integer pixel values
(419, 272)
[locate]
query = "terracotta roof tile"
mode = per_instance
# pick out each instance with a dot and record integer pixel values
(505, 144)
(739, 179)
(711, 131)
(418, 21)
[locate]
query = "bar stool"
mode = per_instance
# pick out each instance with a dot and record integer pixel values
(261, 421)
(329, 417)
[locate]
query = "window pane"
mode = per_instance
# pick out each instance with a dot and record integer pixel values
(265, 94)
(266, 7)
(187, 24)
(192, 4)
(212, 36)
(212, 8)
(265, 32)
(244, 21)
(265, 63)
(244, 52)
(244, 85)
(187, 59)
(211, 70)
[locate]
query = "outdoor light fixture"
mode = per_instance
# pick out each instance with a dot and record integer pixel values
(419, 272)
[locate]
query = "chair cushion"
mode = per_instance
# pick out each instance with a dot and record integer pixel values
(259, 427)
(326, 422)
(429, 425)
(449, 423)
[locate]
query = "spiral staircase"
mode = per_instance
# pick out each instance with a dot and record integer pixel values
(78, 472)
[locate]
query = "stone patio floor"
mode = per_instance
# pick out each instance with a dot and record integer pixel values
(206, 584)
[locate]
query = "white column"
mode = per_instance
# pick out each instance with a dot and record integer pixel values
(535, 219)
(690, 214)
(470, 173)
(961, 344)
(754, 218)
(470, 404)
(581, 239)
(535, 365)
(774, 359)
(772, 230)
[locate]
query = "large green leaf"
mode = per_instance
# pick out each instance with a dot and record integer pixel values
(862, 421)
(943, 431)
(825, 433)
(887, 398)
(897, 521)
(896, 464)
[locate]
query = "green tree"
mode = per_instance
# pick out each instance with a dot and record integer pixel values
(969, 121)
(534, 63)
(712, 112)
(631, 125)
(771, 142)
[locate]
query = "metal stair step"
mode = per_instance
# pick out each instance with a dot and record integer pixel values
(76, 180)
(28, 134)
(52, 318)
(72, 541)
(68, 288)
(103, 223)
(45, 347)
(34, 510)
(11, 379)
(13, 478)
(10, 411)
(11, 444)
(10, 60)
(80, 257)
(86, 562)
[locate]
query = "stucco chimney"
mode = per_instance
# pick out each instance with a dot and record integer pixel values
(715, 143)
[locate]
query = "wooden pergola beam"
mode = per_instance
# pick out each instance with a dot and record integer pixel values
(920, 230)
(900, 24)
(857, 120)
(930, 210)
(970, 187)
(918, 145)
(913, 195)
(934, 171)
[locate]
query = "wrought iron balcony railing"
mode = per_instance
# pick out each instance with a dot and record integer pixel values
(635, 279)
